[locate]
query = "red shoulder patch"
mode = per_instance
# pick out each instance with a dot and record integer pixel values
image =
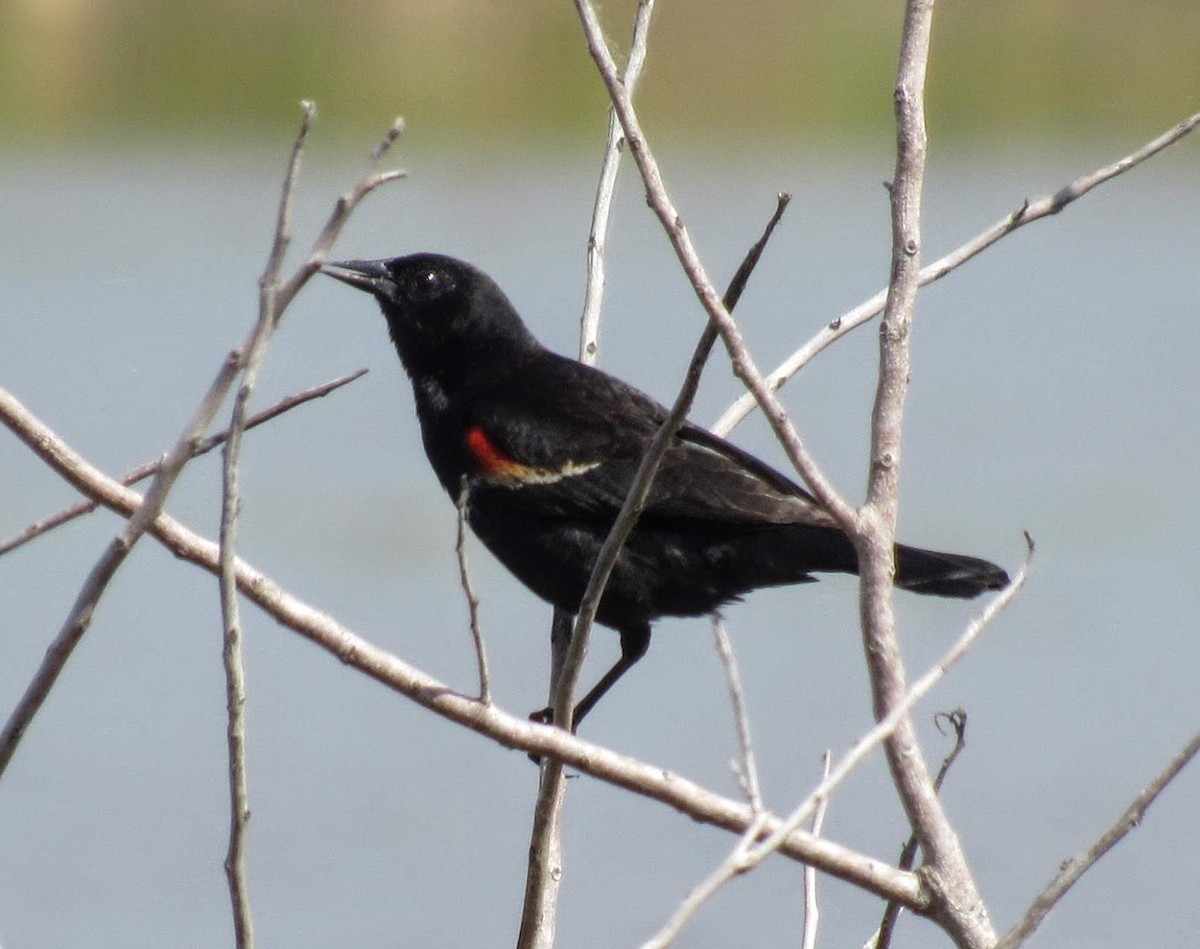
(490, 460)
(498, 467)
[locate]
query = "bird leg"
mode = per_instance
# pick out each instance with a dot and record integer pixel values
(635, 640)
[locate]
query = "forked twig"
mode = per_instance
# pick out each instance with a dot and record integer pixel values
(274, 298)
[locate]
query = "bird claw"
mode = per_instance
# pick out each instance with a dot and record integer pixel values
(543, 716)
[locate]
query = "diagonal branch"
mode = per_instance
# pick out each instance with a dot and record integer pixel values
(748, 854)
(1078, 865)
(511, 731)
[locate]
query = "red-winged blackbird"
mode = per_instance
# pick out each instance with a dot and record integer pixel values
(548, 448)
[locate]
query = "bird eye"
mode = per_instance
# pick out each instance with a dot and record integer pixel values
(428, 284)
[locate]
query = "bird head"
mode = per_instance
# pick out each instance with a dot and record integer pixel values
(448, 319)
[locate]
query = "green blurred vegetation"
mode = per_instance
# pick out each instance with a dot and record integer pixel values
(515, 70)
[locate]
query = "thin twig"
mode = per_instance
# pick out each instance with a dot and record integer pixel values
(235, 673)
(957, 720)
(660, 202)
(1026, 213)
(464, 576)
(274, 299)
(544, 870)
(747, 770)
(143, 471)
(728, 869)
(640, 488)
(1078, 865)
(646, 780)
(812, 910)
(593, 292)
(371, 179)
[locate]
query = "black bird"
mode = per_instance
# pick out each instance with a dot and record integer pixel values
(548, 448)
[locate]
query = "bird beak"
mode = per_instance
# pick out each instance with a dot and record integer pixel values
(369, 275)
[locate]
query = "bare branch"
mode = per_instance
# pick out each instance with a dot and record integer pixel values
(371, 179)
(728, 869)
(812, 911)
(593, 293)
(274, 299)
(1078, 865)
(1026, 213)
(143, 471)
(647, 780)
(747, 771)
(543, 873)
(235, 674)
(544, 870)
(464, 576)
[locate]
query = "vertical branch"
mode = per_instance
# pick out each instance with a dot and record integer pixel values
(464, 576)
(543, 876)
(274, 297)
(544, 872)
(812, 909)
(235, 675)
(960, 907)
(593, 294)
(741, 718)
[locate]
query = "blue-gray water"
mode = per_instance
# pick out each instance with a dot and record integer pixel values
(1054, 389)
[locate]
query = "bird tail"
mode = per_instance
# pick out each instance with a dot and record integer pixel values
(938, 574)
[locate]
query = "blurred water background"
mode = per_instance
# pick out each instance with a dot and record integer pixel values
(1054, 390)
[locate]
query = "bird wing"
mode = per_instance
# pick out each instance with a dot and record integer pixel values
(570, 438)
